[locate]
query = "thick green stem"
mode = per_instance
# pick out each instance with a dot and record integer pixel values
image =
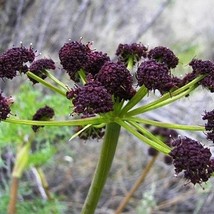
(103, 167)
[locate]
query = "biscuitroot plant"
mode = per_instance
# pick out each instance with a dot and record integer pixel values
(106, 95)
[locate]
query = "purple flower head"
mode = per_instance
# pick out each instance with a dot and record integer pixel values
(209, 126)
(188, 78)
(208, 82)
(4, 107)
(116, 79)
(42, 114)
(95, 61)
(74, 56)
(39, 66)
(163, 55)
(92, 98)
(204, 67)
(134, 50)
(154, 76)
(13, 60)
(192, 158)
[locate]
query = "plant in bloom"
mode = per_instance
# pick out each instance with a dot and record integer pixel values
(105, 95)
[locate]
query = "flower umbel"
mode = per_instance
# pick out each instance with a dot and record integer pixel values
(116, 78)
(39, 66)
(163, 55)
(4, 107)
(92, 98)
(45, 113)
(209, 126)
(193, 158)
(13, 60)
(155, 75)
(73, 56)
(134, 51)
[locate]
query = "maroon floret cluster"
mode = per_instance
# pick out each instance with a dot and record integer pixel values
(134, 51)
(155, 75)
(73, 56)
(92, 98)
(116, 79)
(14, 60)
(209, 126)
(192, 158)
(95, 61)
(39, 66)
(163, 55)
(4, 107)
(42, 114)
(204, 67)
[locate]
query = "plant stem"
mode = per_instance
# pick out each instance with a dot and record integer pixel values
(56, 80)
(161, 147)
(103, 167)
(48, 85)
(165, 125)
(159, 103)
(13, 195)
(77, 122)
(137, 184)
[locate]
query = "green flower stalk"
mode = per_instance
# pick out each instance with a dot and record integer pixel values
(104, 98)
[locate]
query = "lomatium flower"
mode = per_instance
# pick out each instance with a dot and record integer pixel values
(106, 95)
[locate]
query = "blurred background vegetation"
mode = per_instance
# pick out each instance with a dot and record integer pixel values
(184, 26)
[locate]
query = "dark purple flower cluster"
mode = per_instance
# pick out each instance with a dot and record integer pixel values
(201, 67)
(39, 66)
(14, 60)
(189, 155)
(116, 79)
(42, 114)
(76, 55)
(155, 75)
(163, 55)
(95, 62)
(209, 126)
(134, 51)
(73, 56)
(167, 135)
(92, 98)
(4, 107)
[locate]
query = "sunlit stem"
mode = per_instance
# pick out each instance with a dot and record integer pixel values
(160, 147)
(135, 99)
(48, 85)
(85, 121)
(181, 92)
(160, 103)
(147, 134)
(130, 63)
(166, 125)
(56, 80)
(82, 76)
